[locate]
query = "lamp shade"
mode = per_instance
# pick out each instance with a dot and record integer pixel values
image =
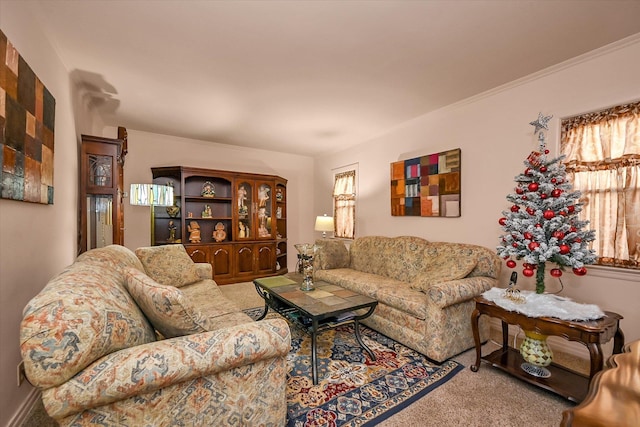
(151, 195)
(325, 224)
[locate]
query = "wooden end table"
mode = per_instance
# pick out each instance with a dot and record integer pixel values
(326, 307)
(564, 382)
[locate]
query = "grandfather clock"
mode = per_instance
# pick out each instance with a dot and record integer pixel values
(101, 191)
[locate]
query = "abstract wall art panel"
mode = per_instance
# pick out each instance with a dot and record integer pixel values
(27, 117)
(427, 185)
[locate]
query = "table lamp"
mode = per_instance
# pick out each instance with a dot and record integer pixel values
(324, 223)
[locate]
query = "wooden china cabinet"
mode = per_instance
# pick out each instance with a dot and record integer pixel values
(101, 214)
(233, 220)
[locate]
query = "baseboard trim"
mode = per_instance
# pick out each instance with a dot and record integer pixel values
(25, 409)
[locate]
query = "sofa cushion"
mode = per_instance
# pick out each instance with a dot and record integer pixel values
(211, 302)
(165, 306)
(385, 290)
(168, 265)
(443, 268)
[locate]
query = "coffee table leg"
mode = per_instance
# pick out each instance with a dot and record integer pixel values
(266, 309)
(359, 338)
(314, 356)
(266, 302)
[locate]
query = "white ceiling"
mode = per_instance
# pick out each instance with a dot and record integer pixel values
(309, 77)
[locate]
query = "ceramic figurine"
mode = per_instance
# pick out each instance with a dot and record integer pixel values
(194, 232)
(172, 232)
(208, 190)
(219, 234)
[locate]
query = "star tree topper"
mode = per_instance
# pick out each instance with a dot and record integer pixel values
(541, 123)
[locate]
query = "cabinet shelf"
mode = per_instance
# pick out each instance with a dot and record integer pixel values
(207, 199)
(217, 218)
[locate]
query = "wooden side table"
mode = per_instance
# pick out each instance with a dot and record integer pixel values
(564, 382)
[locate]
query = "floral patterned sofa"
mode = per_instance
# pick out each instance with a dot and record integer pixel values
(109, 345)
(424, 289)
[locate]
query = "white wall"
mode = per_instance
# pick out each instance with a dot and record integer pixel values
(494, 134)
(147, 150)
(36, 241)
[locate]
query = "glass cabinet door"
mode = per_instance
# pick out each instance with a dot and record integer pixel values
(264, 210)
(245, 209)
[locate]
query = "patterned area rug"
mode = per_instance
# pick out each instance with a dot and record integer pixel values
(354, 390)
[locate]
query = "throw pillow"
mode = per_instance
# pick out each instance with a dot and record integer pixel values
(331, 254)
(168, 265)
(167, 309)
(443, 269)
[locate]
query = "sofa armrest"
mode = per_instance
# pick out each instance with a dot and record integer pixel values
(149, 367)
(204, 270)
(455, 291)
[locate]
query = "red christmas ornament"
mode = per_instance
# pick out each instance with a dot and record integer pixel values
(571, 208)
(548, 214)
(553, 180)
(514, 244)
(556, 272)
(515, 208)
(527, 272)
(533, 186)
(577, 240)
(511, 263)
(563, 213)
(519, 190)
(533, 246)
(573, 230)
(556, 192)
(502, 221)
(580, 271)
(538, 225)
(527, 171)
(558, 235)
(543, 169)
(546, 151)
(565, 249)
(543, 196)
(528, 235)
(531, 211)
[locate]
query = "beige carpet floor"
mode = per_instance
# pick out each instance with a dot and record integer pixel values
(487, 398)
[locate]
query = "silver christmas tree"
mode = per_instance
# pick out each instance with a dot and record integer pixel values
(542, 224)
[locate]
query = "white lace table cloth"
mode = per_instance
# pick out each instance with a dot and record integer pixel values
(545, 305)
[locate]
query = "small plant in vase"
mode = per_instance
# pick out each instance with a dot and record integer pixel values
(542, 225)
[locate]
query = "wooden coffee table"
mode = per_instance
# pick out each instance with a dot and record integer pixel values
(326, 307)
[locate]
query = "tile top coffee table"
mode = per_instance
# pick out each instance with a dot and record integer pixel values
(328, 306)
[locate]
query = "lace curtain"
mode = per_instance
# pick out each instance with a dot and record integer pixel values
(603, 161)
(344, 204)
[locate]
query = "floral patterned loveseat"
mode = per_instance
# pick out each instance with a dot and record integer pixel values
(108, 345)
(424, 289)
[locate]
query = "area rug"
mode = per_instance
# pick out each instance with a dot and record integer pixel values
(352, 389)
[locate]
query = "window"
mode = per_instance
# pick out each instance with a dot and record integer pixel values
(344, 204)
(602, 152)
